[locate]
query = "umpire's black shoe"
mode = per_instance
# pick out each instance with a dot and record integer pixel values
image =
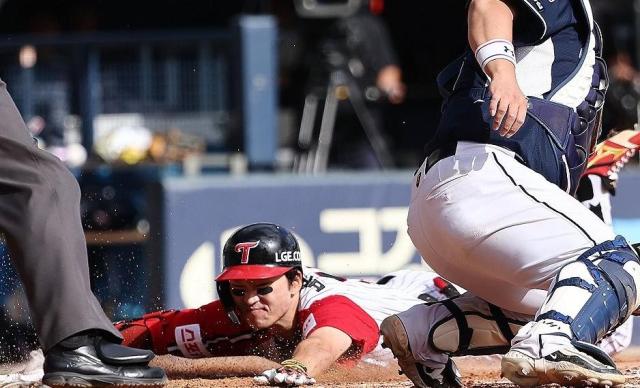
(99, 363)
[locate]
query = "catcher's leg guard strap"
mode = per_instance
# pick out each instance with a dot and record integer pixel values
(464, 332)
(609, 272)
(501, 321)
(473, 329)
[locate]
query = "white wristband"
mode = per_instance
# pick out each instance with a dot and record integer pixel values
(495, 49)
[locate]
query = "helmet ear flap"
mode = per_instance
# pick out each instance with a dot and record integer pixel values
(224, 293)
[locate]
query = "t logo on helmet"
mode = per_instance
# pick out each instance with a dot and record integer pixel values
(245, 247)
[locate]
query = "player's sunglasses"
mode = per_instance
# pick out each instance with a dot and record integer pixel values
(260, 291)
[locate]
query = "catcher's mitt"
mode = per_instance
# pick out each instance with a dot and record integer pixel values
(610, 155)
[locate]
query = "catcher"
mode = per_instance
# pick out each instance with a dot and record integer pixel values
(271, 306)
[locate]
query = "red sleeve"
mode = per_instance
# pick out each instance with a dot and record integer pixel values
(343, 314)
(203, 332)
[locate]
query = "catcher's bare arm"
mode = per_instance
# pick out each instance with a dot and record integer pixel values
(489, 34)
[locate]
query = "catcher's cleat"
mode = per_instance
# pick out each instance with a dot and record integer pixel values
(395, 338)
(612, 154)
(98, 364)
(578, 365)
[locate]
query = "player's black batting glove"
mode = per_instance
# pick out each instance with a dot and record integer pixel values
(292, 372)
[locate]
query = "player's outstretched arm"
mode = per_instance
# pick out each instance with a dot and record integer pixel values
(322, 348)
(312, 356)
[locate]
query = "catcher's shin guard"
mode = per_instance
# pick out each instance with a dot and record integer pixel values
(596, 293)
(424, 337)
(589, 297)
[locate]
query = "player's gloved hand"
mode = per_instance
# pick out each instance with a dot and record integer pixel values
(292, 372)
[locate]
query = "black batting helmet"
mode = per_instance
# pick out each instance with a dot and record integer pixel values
(256, 251)
(259, 251)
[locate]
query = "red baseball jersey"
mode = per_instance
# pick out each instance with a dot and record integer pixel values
(353, 306)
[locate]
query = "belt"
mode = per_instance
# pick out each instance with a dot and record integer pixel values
(443, 151)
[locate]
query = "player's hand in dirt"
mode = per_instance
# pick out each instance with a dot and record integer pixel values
(292, 372)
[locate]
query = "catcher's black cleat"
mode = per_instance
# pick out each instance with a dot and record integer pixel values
(99, 363)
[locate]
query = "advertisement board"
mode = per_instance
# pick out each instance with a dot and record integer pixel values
(349, 225)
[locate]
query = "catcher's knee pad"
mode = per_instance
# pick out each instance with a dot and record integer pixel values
(474, 327)
(597, 292)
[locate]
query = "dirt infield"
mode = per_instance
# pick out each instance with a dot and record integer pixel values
(477, 372)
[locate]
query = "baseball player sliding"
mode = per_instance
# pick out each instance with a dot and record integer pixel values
(273, 307)
(305, 319)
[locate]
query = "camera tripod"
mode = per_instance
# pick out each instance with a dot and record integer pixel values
(313, 156)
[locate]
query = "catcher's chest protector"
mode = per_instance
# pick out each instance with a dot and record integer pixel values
(559, 67)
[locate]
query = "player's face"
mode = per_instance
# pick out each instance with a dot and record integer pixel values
(263, 303)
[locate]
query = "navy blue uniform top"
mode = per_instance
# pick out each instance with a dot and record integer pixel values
(555, 49)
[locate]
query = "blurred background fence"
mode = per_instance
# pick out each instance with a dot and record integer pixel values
(158, 79)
